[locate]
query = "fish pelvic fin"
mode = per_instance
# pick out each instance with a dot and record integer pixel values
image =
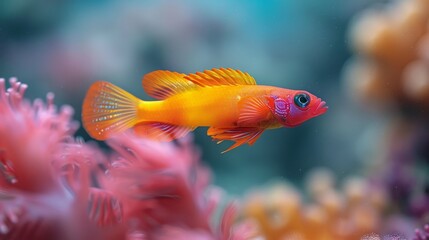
(240, 135)
(108, 109)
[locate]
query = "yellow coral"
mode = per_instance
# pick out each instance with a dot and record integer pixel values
(330, 214)
(391, 61)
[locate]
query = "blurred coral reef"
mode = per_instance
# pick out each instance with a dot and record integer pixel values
(326, 211)
(391, 47)
(56, 187)
(390, 71)
(422, 234)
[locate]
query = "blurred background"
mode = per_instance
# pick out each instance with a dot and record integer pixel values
(367, 59)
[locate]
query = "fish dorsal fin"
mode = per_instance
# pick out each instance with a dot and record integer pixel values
(221, 76)
(240, 135)
(253, 111)
(162, 84)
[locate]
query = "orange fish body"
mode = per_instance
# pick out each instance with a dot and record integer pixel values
(228, 101)
(214, 106)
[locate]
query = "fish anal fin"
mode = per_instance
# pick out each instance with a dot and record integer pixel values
(253, 111)
(162, 84)
(221, 76)
(161, 131)
(239, 135)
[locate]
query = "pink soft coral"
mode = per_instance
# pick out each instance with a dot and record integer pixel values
(35, 153)
(422, 234)
(53, 186)
(165, 190)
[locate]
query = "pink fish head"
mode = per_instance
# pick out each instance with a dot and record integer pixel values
(293, 107)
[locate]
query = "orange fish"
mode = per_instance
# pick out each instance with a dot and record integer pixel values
(227, 101)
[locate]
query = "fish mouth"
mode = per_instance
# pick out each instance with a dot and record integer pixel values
(320, 109)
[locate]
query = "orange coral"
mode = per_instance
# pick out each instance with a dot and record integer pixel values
(391, 61)
(282, 213)
(390, 68)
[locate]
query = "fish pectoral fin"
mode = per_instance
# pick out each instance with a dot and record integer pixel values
(161, 131)
(253, 111)
(221, 76)
(108, 109)
(239, 135)
(162, 84)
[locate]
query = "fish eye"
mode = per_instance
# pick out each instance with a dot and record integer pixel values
(302, 100)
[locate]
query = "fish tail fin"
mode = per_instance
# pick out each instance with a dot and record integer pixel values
(108, 109)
